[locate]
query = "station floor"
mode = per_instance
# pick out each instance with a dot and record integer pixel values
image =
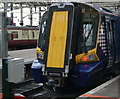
(108, 90)
(27, 54)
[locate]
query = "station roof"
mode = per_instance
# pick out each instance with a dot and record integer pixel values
(109, 4)
(59, 1)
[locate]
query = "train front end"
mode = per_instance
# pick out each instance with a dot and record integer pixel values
(68, 45)
(58, 43)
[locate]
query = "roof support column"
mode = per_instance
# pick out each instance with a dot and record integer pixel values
(5, 8)
(39, 15)
(30, 16)
(21, 14)
(11, 11)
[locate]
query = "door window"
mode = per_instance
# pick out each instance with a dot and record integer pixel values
(109, 35)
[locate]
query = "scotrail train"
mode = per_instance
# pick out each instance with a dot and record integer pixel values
(79, 45)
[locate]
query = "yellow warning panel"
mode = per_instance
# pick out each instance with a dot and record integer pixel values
(57, 40)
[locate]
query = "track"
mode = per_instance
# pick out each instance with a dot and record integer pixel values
(32, 90)
(29, 89)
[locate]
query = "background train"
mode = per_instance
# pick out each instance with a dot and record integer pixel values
(22, 37)
(78, 45)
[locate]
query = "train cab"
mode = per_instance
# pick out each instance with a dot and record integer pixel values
(77, 44)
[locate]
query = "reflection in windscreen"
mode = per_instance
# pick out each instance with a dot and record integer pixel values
(41, 42)
(87, 34)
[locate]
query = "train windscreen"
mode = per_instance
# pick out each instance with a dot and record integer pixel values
(88, 29)
(41, 41)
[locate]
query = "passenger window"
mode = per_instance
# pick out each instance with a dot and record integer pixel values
(33, 34)
(25, 34)
(15, 35)
(112, 23)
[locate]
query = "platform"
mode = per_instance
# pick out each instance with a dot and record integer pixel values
(27, 54)
(108, 90)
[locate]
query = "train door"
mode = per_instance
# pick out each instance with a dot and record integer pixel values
(58, 40)
(110, 41)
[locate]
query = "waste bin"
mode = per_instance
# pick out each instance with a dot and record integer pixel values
(37, 71)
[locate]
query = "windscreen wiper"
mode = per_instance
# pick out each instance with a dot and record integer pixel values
(88, 34)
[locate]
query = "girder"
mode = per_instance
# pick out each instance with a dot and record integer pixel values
(58, 1)
(109, 4)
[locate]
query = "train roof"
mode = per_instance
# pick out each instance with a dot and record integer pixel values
(22, 28)
(100, 9)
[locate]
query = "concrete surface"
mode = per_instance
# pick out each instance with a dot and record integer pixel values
(109, 90)
(27, 54)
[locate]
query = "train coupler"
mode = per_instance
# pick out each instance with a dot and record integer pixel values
(55, 79)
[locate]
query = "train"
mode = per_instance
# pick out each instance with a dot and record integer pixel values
(22, 37)
(78, 46)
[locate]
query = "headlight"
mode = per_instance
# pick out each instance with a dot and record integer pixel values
(91, 56)
(88, 58)
(40, 55)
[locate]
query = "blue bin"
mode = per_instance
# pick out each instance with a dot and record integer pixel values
(37, 71)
